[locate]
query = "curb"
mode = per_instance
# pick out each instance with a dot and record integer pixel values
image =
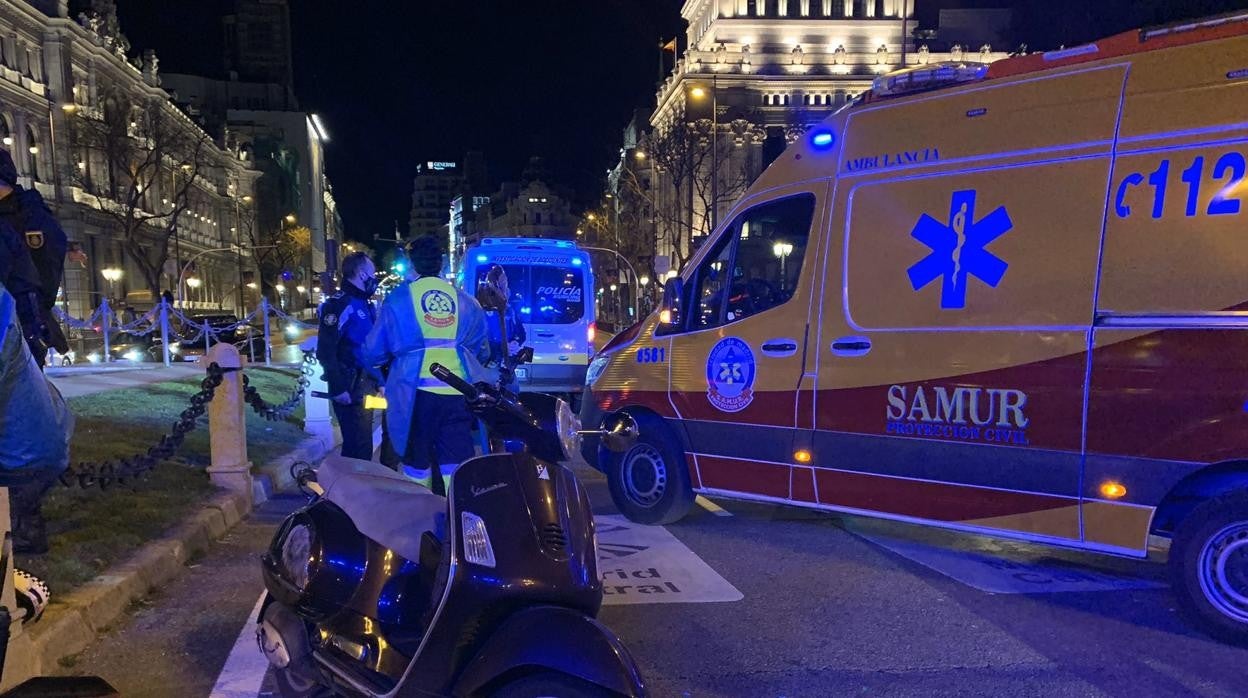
(74, 622)
(275, 476)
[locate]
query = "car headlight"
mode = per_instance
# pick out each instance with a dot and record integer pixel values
(568, 427)
(477, 548)
(94, 357)
(134, 355)
(297, 555)
(596, 367)
(175, 349)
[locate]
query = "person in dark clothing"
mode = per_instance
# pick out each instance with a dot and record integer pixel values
(35, 425)
(35, 280)
(503, 347)
(346, 319)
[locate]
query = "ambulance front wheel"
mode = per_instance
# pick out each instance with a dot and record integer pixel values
(1209, 567)
(649, 483)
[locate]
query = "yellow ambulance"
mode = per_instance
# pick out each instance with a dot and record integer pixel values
(1008, 299)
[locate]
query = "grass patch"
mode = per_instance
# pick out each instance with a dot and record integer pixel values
(90, 530)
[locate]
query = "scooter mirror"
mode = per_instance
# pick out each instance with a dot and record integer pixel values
(491, 297)
(620, 432)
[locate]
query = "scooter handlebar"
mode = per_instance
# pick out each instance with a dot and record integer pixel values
(443, 374)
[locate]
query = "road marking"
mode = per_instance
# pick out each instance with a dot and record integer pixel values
(1002, 567)
(711, 506)
(647, 565)
(244, 670)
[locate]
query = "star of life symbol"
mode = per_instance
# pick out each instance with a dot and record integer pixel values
(958, 249)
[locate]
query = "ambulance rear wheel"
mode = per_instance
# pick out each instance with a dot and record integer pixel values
(649, 483)
(1209, 567)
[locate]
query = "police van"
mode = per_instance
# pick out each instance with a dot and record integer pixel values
(551, 284)
(1009, 299)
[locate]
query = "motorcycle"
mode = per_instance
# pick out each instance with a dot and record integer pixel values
(379, 587)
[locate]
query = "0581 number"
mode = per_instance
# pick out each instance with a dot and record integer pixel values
(1229, 169)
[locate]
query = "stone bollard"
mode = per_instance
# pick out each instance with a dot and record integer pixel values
(227, 424)
(316, 411)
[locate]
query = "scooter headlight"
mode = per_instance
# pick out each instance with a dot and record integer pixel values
(477, 548)
(297, 555)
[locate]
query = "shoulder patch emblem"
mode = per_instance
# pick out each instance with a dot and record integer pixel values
(331, 319)
(34, 239)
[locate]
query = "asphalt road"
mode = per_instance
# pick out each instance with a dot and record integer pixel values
(825, 610)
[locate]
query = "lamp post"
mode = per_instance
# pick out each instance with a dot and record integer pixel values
(644, 282)
(631, 270)
(112, 275)
(700, 93)
(782, 250)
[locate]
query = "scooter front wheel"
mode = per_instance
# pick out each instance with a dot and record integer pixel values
(550, 684)
(290, 684)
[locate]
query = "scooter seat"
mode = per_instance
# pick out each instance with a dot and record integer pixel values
(384, 505)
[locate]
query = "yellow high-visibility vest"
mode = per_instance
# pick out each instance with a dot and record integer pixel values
(437, 310)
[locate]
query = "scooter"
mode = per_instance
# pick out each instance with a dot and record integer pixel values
(380, 588)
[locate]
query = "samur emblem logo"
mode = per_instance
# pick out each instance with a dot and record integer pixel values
(438, 307)
(730, 373)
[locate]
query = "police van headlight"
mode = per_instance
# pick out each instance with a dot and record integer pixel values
(477, 548)
(596, 367)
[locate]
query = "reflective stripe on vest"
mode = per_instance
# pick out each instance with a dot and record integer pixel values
(437, 310)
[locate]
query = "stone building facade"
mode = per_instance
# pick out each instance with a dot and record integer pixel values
(751, 77)
(54, 74)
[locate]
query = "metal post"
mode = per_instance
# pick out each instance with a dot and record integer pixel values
(164, 330)
(714, 151)
(268, 351)
(207, 336)
(251, 346)
(108, 321)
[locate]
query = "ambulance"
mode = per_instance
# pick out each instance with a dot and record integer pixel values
(1008, 299)
(551, 284)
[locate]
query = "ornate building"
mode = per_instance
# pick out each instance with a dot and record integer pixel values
(61, 81)
(754, 75)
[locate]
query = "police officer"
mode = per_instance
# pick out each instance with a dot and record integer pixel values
(33, 283)
(424, 321)
(346, 319)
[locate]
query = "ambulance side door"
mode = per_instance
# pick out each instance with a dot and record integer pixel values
(737, 353)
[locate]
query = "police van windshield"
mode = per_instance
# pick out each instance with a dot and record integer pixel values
(544, 295)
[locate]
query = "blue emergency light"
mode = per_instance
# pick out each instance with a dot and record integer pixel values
(482, 258)
(822, 139)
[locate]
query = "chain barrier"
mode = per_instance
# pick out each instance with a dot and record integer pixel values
(109, 472)
(275, 413)
(291, 318)
(122, 470)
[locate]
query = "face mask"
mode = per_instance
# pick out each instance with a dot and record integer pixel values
(370, 285)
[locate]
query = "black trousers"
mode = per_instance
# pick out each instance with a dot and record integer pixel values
(356, 425)
(441, 432)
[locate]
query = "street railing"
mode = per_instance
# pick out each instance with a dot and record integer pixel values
(176, 326)
(104, 474)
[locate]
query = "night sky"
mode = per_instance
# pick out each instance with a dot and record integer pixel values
(398, 82)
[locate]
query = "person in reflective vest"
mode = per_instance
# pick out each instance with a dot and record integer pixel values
(424, 321)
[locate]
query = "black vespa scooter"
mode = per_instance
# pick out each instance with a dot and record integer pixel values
(380, 588)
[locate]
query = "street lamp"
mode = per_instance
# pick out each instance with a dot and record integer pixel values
(290, 218)
(782, 250)
(112, 275)
(194, 282)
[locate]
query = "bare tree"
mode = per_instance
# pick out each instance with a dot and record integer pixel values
(145, 163)
(276, 249)
(677, 155)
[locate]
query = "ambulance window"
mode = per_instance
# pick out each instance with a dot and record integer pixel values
(763, 253)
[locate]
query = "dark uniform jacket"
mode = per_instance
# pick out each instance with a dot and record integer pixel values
(29, 230)
(346, 319)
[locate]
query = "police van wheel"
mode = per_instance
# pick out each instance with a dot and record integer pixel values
(649, 483)
(1209, 567)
